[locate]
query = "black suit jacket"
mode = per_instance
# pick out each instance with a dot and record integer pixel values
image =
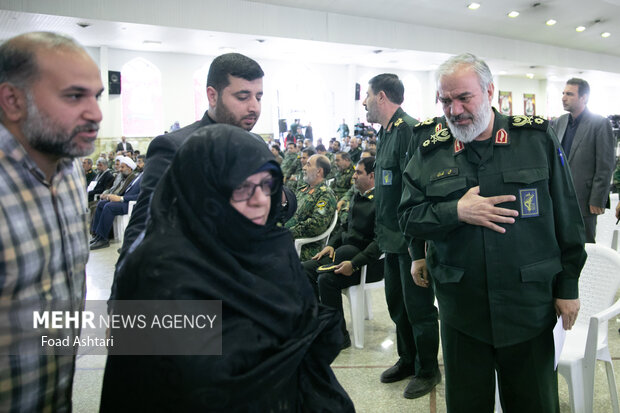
(119, 147)
(159, 156)
(104, 180)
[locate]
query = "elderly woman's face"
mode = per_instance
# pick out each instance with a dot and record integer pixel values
(253, 197)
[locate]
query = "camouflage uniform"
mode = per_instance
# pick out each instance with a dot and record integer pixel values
(617, 177)
(296, 184)
(316, 207)
(343, 181)
(291, 164)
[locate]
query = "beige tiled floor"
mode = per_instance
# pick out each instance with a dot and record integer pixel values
(357, 369)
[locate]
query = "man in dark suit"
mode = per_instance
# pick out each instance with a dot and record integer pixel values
(589, 146)
(123, 145)
(103, 180)
(114, 205)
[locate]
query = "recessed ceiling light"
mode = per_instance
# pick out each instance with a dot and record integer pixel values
(473, 6)
(83, 25)
(151, 42)
(605, 34)
(513, 14)
(550, 22)
(529, 75)
(580, 28)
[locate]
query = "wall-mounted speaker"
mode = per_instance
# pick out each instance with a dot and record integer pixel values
(114, 83)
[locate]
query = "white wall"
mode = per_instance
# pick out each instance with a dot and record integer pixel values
(519, 86)
(318, 93)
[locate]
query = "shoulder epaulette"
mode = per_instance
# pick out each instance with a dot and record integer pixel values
(429, 121)
(440, 137)
(532, 122)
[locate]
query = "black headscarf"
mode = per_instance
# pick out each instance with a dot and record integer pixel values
(277, 342)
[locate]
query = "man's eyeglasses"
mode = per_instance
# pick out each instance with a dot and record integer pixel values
(246, 190)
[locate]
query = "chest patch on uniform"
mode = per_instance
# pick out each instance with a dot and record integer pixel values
(529, 203)
(444, 174)
(458, 146)
(386, 178)
(501, 137)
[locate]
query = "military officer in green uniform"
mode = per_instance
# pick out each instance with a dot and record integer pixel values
(343, 180)
(411, 307)
(493, 197)
(316, 206)
(290, 163)
(296, 181)
(355, 152)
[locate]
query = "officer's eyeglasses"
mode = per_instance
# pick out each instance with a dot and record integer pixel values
(246, 190)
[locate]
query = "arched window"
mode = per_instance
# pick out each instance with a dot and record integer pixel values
(201, 103)
(141, 97)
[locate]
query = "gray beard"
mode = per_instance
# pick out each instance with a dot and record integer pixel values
(469, 133)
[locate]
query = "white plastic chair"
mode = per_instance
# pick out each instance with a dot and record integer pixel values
(324, 236)
(360, 304)
(121, 222)
(587, 341)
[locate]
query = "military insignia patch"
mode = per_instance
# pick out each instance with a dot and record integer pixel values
(458, 146)
(398, 122)
(529, 203)
(321, 204)
(438, 127)
(501, 137)
(386, 179)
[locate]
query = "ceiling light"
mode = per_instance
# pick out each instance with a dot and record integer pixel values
(473, 6)
(83, 25)
(529, 75)
(550, 22)
(151, 42)
(513, 14)
(580, 28)
(605, 34)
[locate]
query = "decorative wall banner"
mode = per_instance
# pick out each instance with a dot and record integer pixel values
(505, 103)
(529, 104)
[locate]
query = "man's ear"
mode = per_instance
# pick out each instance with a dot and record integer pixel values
(212, 96)
(372, 175)
(12, 102)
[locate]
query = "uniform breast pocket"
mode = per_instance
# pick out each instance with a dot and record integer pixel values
(447, 188)
(530, 186)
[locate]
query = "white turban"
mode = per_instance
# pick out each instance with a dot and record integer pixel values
(128, 161)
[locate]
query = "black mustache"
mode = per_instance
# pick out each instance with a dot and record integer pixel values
(88, 127)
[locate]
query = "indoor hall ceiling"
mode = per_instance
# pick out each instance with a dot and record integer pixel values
(490, 18)
(597, 16)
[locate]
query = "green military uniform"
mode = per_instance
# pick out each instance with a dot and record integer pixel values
(355, 155)
(617, 177)
(296, 184)
(291, 164)
(90, 175)
(343, 181)
(343, 215)
(316, 207)
(496, 291)
(411, 307)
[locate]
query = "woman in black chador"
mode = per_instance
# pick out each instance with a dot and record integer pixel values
(213, 235)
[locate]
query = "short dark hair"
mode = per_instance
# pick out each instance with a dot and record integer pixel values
(309, 152)
(345, 155)
(323, 162)
(143, 157)
(583, 86)
(321, 147)
(369, 164)
(234, 64)
(391, 85)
